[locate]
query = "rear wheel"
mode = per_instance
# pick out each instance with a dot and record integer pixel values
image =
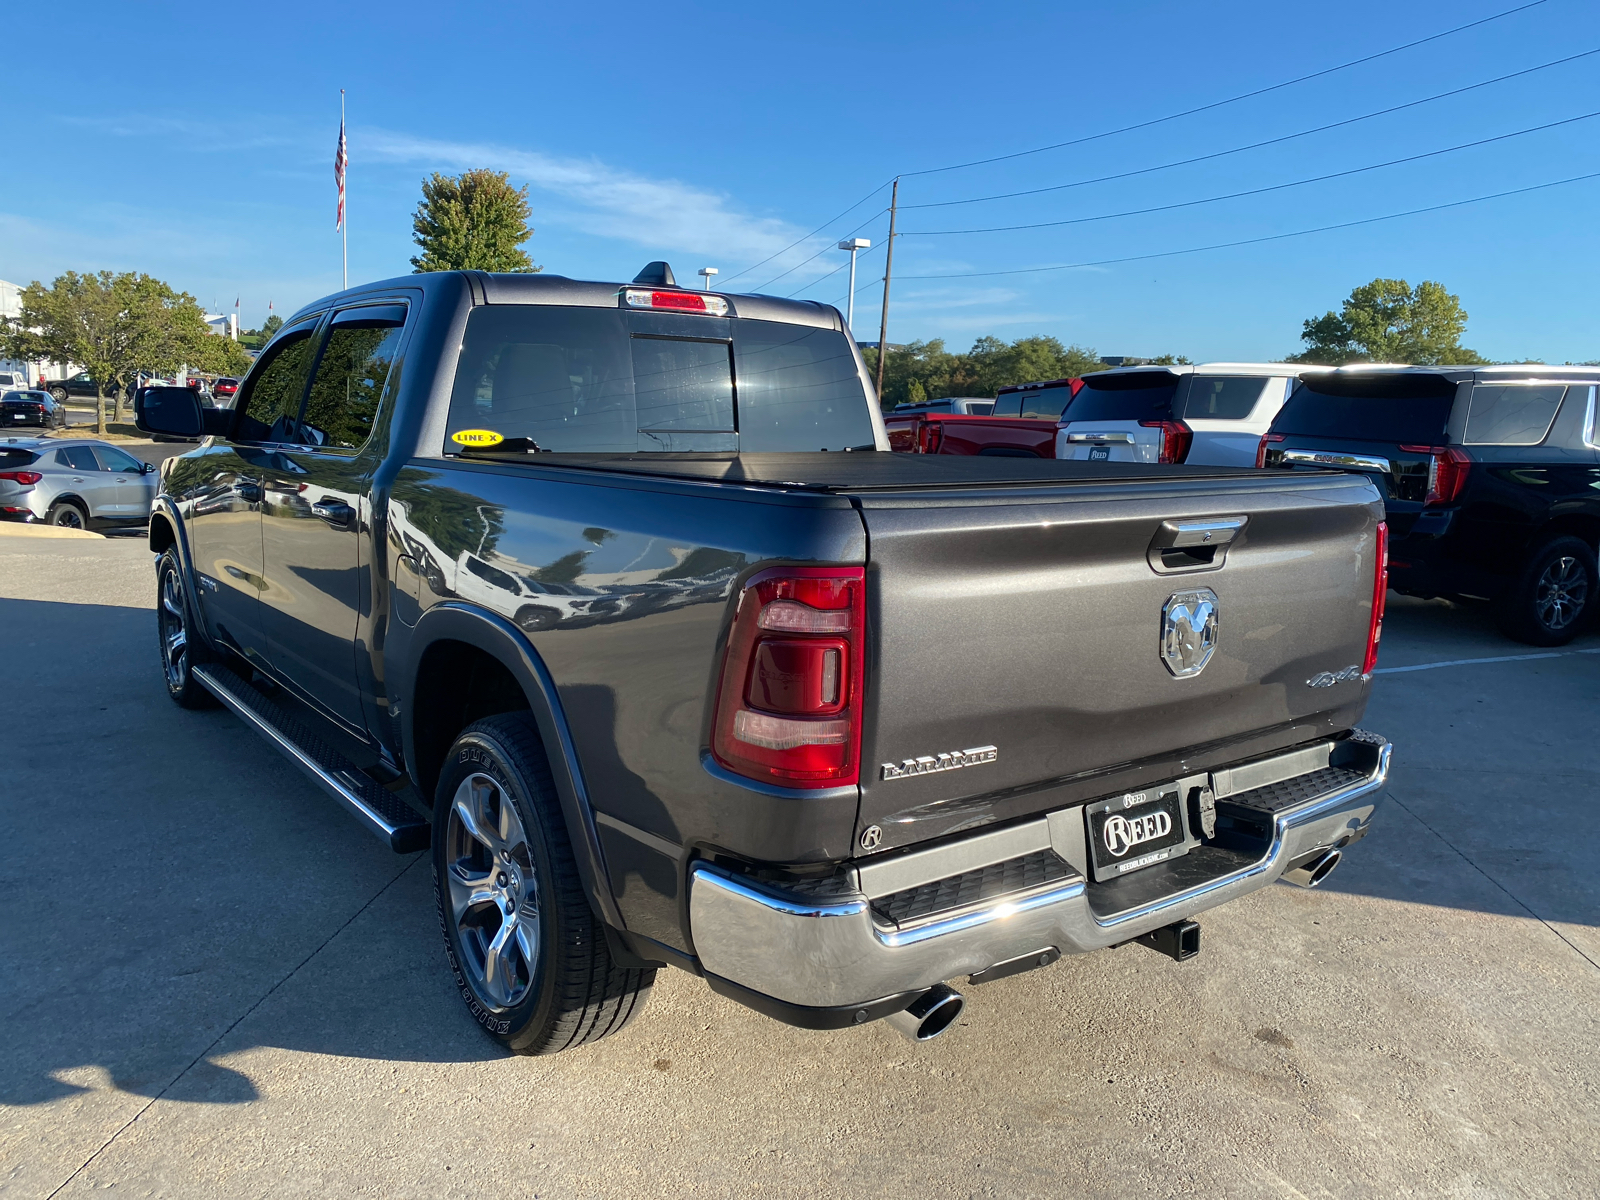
(1547, 604)
(179, 647)
(528, 954)
(60, 394)
(67, 515)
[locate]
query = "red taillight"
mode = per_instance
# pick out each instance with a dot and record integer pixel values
(1175, 439)
(788, 705)
(1447, 472)
(696, 302)
(1261, 450)
(930, 436)
(25, 478)
(1380, 592)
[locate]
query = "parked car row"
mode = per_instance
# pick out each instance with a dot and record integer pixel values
(1491, 474)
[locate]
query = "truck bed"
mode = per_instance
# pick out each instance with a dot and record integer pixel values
(870, 470)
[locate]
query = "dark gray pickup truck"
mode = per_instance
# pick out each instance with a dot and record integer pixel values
(614, 597)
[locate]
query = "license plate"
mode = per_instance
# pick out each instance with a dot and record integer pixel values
(1099, 453)
(1135, 830)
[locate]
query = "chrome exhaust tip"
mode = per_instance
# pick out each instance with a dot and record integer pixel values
(1310, 874)
(929, 1015)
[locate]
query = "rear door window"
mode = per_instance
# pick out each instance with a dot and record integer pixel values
(79, 458)
(1216, 398)
(1137, 396)
(1007, 404)
(1398, 409)
(355, 362)
(1512, 414)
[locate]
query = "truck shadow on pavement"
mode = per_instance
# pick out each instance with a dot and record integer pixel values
(175, 894)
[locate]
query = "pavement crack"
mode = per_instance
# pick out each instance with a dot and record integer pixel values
(1514, 898)
(215, 1042)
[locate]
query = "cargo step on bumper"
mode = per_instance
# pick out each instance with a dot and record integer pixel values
(380, 810)
(814, 953)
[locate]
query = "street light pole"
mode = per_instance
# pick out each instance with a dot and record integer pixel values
(852, 245)
(706, 273)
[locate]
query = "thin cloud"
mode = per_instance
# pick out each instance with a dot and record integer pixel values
(661, 214)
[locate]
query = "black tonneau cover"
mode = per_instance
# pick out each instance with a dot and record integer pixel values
(847, 471)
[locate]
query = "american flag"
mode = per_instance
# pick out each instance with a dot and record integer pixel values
(339, 161)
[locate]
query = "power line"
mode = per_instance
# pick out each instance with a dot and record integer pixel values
(1275, 187)
(808, 236)
(1288, 137)
(1275, 237)
(830, 246)
(1356, 62)
(878, 245)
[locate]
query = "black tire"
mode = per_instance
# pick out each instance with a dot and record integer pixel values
(564, 990)
(59, 394)
(179, 645)
(67, 514)
(1553, 596)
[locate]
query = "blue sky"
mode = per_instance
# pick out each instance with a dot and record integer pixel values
(195, 142)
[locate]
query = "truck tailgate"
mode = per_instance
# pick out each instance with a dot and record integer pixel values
(1030, 620)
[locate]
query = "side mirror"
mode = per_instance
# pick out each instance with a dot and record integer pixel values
(171, 411)
(146, 468)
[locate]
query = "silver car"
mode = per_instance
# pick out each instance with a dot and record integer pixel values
(77, 483)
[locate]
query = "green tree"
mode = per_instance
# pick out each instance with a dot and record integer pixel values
(926, 370)
(115, 326)
(1387, 320)
(474, 221)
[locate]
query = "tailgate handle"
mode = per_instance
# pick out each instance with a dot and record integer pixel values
(1100, 437)
(1324, 458)
(1198, 545)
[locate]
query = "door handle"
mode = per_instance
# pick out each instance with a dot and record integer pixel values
(335, 512)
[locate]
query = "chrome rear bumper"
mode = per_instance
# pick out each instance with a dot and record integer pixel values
(828, 951)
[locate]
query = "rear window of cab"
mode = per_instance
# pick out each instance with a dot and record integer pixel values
(610, 381)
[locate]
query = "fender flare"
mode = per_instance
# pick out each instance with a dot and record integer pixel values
(452, 620)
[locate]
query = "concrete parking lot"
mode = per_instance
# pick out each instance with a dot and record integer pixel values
(215, 984)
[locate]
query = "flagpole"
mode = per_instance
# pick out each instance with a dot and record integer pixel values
(344, 226)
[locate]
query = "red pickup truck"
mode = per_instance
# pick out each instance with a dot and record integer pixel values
(1023, 424)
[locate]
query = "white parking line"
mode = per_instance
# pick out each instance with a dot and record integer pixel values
(1472, 662)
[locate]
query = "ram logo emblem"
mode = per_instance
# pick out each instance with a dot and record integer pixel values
(1188, 631)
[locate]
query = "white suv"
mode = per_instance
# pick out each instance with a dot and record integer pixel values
(1213, 414)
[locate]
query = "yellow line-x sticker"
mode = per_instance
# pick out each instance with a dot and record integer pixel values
(476, 437)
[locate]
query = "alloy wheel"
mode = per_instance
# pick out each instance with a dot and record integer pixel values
(174, 632)
(69, 518)
(1560, 594)
(494, 893)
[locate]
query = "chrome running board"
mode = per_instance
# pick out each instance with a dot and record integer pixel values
(379, 809)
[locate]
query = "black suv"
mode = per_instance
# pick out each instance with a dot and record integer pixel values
(1491, 476)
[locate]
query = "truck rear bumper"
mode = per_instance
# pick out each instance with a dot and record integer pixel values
(827, 953)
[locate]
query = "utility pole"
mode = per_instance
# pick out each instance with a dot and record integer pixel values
(852, 245)
(888, 271)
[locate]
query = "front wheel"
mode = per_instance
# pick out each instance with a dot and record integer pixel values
(528, 953)
(180, 648)
(1546, 604)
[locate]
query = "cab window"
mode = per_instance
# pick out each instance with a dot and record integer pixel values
(350, 376)
(269, 402)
